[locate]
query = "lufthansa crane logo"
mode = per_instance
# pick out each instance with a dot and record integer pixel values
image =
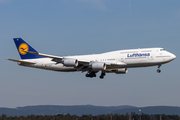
(22, 48)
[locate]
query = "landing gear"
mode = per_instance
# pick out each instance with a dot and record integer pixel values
(158, 70)
(102, 75)
(91, 74)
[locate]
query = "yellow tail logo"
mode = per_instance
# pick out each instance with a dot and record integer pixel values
(22, 48)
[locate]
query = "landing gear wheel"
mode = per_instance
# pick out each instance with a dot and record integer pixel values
(101, 77)
(91, 74)
(158, 70)
(87, 75)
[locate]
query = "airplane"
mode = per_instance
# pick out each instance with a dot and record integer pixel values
(110, 62)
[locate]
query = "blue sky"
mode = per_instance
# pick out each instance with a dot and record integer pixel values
(75, 27)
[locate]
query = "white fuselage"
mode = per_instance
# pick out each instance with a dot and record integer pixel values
(132, 58)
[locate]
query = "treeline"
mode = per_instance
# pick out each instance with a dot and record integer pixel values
(133, 116)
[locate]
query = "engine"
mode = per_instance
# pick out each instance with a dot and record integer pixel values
(70, 62)
(121, 71)
(98, 66)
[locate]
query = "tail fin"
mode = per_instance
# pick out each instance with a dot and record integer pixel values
(22, 46)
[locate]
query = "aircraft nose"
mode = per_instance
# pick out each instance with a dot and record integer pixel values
(173, 56)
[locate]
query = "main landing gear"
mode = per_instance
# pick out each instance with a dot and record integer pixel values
(158, 70)
(92, 74)
(102, 75)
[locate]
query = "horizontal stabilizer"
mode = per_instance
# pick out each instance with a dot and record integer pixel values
(21, 61)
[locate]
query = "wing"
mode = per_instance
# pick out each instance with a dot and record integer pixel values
(83, 64)
(57, 59)
(44, 55)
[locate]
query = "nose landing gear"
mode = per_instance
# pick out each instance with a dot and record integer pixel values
(158, 70)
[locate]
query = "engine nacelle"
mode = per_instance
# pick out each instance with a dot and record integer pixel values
(98, 66)
(121, 71)
(70, 62)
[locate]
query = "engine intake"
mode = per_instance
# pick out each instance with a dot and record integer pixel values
(98, 66)
(70, 62)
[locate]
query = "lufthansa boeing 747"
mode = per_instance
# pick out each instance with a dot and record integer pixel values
(110, 62)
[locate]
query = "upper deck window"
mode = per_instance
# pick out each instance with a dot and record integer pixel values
(162, 50)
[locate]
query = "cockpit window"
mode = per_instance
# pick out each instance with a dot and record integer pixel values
(162, 50)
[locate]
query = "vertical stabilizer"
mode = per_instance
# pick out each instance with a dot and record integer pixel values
(22, 46)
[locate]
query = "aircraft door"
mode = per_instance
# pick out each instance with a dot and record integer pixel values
(151, 56)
